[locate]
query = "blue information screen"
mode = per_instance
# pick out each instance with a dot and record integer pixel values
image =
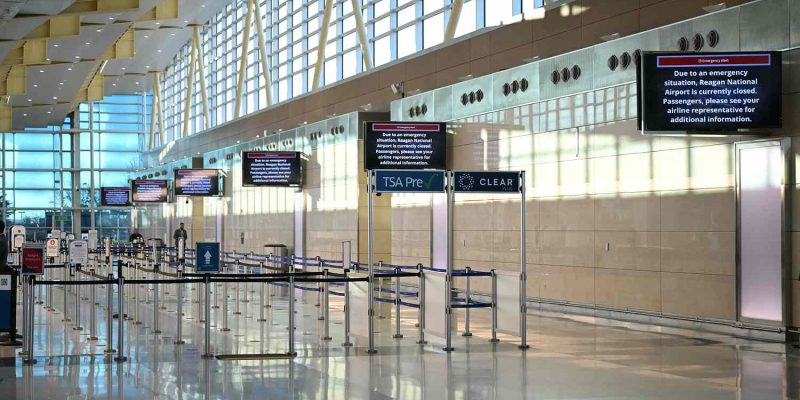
(409, 181)
(207, 257)
(486, 181)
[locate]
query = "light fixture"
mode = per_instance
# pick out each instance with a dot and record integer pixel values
(530, 59)
(55, 45)
(69, 69)
(146, 36)
(88, 43)
(25, 115)
(49, 112)
(30, 99)
(715, 7)
(78, 57)
(465, 77)
(98, 30)
(123, 68)
(607, 38)
(55, 97)
(61, 83)
(35, 85)
(41, 70)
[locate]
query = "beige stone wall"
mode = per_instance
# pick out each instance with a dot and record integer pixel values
(614, 218)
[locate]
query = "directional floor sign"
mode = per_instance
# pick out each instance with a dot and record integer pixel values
(207, 257)
(486, 181)
(409, 181)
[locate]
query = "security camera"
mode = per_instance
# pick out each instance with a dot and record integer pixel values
(397, 88)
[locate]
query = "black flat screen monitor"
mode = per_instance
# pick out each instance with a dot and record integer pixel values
(272, 168)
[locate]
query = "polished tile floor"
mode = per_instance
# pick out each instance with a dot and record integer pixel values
(568, 359)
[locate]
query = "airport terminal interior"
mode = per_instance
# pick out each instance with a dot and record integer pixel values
(400, 199)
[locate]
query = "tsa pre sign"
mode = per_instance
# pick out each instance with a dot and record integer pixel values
(409, 181)
(32, 260)
(207, 257)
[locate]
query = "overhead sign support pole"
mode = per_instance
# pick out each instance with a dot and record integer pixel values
(448, 285)
(523, 271)
(371, 260)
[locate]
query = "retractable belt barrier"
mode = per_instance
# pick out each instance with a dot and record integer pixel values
(142, 267)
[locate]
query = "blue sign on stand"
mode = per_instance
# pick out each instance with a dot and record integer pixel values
(486, 181)
(409, 181)
(207, 257)
(6, 302)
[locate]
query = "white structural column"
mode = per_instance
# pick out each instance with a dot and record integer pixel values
(323, 40)
(243, 60)
(362, 35)
(262, 52)
(201, 71)
(153, 102)
(187, 108)
(452, 22)
(159, 108)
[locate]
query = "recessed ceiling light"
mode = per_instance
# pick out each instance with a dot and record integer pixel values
(172, 34)
(55, 45)
(78, 57)
(30, 100)
(87, 43)
(159, 50)
(111, 18)
(137, 83)
(24, 115)
(35, 85)
(61, 83)
(41, 70)
(158, 23)
(113, 84)
(55, 98)
(147, 66)
(123, 68)
(69, 69)
(146, 36)
(202, 5)
(49, 112)
(98, 30)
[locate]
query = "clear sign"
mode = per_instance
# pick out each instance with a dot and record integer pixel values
(709, 91)
(396, 145)
(32, 260)
(206, 257)
(197, 182)
(272, 168)
(52, 248)
(79, 252)
(409, 181)
(486, 181)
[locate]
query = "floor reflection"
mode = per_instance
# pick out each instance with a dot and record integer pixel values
(568, 359)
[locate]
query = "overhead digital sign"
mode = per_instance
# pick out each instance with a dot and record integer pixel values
(396, 145)
(115, 196)
(710, 92)
(272, 168)
(197, 182)
(149, 190)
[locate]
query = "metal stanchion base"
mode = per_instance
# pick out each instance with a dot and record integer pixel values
(237, 313)
(372, 351)
(320, 318)
(466, 334)
(77, 328)
(215, 307)
(136, 322)
(523, 347)
(326, 338)
(22, 353)
(109, 351)
(179, 342)
(494, 340)
(267, 306)
(225, 329)
(156, 332)
(163, 308)
(29, 361)
(448, 349)
(397, 336)
(245, 301)
(14, 343)
(121, 359)
(92, 338)
(66, 320)
(422, 342)
(207, 355)
(347, 344)
(261, 320)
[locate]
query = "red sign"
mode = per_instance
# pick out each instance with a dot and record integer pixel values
(33, 260)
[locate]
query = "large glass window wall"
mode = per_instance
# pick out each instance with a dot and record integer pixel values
(51, 178)
(394, 28)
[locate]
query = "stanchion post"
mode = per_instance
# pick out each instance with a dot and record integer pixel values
(371, 269)
(326, 303)
(346, 263)
(224, 305)
(467, 298)
(92, 308)
(421, 300)
(28, 304)
(292, 352)
(77, 326)
(494, 308)
(448, 285)
(237, 310)
(109, 314)
(67, 276)
(156, 312)
(121, 310)
(179, 310)
(397, 334)
(261, 297)
(319, 286)
(25, 320)
(207, 306)
(523, 276)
